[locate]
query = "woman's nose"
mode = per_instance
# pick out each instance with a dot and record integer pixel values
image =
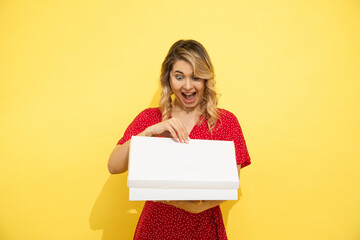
(188, 84)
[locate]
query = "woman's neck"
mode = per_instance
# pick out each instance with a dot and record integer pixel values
(187, 118)
(179, 109)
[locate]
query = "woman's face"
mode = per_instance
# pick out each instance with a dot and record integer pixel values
(188, 89)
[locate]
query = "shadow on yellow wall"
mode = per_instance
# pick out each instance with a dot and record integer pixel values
(115, 214)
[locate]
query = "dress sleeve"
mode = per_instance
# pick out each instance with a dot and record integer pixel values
(138, 125)
(236, 135)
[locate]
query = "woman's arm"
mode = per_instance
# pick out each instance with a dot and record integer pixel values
(198, 206)
(118, 160)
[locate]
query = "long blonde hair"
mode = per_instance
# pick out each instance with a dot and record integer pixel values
(194, 53)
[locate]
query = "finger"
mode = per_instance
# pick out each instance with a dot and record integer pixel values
(176, 129)
(180, 129)
(184, 132)
(162, 201)
(172, 132)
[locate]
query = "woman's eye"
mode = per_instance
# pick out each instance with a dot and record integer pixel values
(195, 78)
(178, 77)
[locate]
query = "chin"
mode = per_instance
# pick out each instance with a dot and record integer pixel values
(190, 106)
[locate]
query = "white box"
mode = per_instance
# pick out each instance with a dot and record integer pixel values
(162, 169)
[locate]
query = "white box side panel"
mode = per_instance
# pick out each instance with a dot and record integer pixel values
(157, 194)
(164, 163)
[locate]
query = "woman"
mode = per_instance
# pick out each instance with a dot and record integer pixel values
(187, 110)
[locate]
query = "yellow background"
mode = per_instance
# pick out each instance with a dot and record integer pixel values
(73, 75)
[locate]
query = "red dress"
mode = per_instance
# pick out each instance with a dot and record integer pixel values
(161, 221)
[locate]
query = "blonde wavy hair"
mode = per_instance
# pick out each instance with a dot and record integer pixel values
(194, 53)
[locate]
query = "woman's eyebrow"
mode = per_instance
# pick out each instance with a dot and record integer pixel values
(181, 72)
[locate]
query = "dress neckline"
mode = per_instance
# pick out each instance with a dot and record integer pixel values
(197, 123)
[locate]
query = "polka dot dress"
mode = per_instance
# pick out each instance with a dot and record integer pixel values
(162, 221)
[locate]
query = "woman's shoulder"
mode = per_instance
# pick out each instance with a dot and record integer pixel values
(155, 111)
(150, 113)
(225, 114)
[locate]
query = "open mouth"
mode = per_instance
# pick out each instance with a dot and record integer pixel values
(189, 97)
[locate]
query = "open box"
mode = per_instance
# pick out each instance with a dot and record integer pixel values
(162, 169)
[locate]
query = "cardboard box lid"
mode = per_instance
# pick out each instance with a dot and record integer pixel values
(163, 163)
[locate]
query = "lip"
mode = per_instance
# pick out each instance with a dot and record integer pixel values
(192, 98)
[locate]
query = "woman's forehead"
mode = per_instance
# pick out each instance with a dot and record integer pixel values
(183, 67)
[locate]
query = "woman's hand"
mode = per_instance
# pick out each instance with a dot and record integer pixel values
(169, 128)
(194, 206)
